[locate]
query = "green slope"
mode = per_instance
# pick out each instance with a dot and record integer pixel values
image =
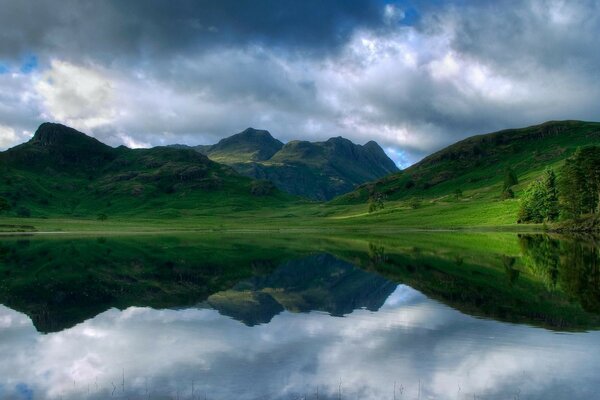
(480, 161)
(423, 195)
(61, 171)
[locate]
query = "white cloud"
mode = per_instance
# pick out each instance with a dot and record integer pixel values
(83, 97)
(9, 137)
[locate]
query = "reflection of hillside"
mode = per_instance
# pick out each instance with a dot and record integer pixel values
(573, 266)
(315, 283)
(60, 282)
(480, 280)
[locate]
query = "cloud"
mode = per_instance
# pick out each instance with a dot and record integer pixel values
(418, 343)
(79, 96)
(414, 76)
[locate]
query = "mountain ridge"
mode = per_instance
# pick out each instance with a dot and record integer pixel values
(316, 170)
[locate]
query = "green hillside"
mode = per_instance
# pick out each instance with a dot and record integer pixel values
(315, 170)
(481, 161)
(462, 185)
(61, 171)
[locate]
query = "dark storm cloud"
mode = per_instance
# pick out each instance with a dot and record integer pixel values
(109, 30)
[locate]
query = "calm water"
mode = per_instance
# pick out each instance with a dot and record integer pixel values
(441, 316)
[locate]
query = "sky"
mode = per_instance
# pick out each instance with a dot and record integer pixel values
(414, 76)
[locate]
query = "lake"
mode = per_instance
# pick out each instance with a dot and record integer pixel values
(412, 315)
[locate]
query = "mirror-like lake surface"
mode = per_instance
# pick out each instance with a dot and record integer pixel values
(404, 316)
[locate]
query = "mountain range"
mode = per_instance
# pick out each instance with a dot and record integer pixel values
(63, 171)
(315, 170)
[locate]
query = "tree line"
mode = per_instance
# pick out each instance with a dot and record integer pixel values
(572, 193)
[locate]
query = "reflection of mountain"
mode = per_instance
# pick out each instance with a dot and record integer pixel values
(60, 282)
(319, 282)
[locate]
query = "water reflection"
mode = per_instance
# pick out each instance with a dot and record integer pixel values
(570, 265)
(195, 318)
(318, 282)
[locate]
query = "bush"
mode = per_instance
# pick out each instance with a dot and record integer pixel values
(376, 202)
(414, 203)
(102, 217)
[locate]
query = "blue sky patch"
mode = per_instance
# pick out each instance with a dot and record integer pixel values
(24, 391)
(29, 64)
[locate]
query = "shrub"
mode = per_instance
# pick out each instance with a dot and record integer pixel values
(414, 203)
(376, 202)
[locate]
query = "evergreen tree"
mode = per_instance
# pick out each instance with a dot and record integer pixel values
(579, 184)
(539, 202)
(510, 178)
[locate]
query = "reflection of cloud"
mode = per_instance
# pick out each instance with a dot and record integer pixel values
(410, 339)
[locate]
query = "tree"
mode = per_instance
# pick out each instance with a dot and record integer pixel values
(539, 202)
(376, 202)
(4, 205)
(579, 183)
(550, 208)
(510, 178)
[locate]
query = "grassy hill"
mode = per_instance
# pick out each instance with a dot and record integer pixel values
(316, 170)
(61, 171)
(425, 194)
(481, 160)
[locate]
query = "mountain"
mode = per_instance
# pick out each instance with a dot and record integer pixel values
(316, 170)
(249, 145)
(319, 282)
(63, 171)
(478, 164)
